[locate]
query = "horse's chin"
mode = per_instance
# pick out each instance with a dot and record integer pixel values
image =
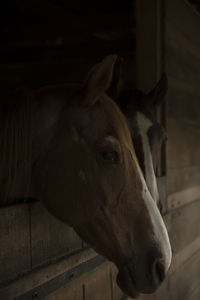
(127, 284)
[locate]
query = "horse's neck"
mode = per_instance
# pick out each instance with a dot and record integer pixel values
(28, 123)
(49, 103)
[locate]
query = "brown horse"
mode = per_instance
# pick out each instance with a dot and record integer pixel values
(71, 148)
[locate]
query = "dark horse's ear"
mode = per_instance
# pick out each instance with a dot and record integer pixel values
(157, 95)
(102, 77)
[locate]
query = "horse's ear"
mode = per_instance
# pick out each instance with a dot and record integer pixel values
(101, 77)
(157, 95)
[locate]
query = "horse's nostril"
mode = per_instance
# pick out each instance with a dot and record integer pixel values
(158, 272)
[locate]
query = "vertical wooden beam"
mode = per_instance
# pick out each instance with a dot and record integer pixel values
(149, 43)
(150, 56)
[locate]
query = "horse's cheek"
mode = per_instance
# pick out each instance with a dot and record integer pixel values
(67, 182)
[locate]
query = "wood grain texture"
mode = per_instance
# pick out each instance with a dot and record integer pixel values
(183, 147)
(186, 281)
(181, 178)
(15, 255)
(98, 284)
(183, 197)
(50, 238)
(184, 226)
(44, 274)
(187, 16)
(70, 291)
(183, 105)
(148, 43)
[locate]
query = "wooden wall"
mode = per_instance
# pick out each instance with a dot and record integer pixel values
(183, 151)
(182, 205)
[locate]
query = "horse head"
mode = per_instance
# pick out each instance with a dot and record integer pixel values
(88, 176)
(147, 134)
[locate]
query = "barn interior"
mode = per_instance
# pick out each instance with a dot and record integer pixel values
(48, 42)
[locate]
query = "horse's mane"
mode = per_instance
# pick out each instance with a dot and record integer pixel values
(15, 146)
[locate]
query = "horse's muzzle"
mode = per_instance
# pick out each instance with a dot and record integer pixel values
(132, 279)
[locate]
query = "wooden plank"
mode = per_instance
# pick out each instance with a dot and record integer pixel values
(183, 197)
(182, 178)
(177, 38)
(149, 52)
(183, 105)
(186, 16)
(149, 43)
(50, 238)
(70, 291)
(186, 280)
(15, 256)
(98, 284)
(183, 255)
(183, 146)
(182, 64)
(195, 294)
(184, 229)
(179, 84)
(42, 275)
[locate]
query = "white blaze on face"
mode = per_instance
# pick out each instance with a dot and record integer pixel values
(144, 124)
(160, 231)
(150, 191)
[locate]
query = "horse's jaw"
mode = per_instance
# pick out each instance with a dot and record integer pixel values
(126, 283)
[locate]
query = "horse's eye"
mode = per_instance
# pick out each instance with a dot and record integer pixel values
(111, 156)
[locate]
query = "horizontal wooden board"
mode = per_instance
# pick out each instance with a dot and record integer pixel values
(183, 105)
(186, 281)
(186, 15)
(179, 179)
(183, 146)
(181, 65)
(43, 275)
(183, 197)
(184, 226)
(184, 254)
(50, 238)
(97, 284)
(70, 291)
(15, 255)
(176, 37)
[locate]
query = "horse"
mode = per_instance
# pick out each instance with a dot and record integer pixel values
(70, 147)
(147, 134)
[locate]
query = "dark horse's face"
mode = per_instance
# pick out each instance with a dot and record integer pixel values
(91, 180)
(147, 134)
